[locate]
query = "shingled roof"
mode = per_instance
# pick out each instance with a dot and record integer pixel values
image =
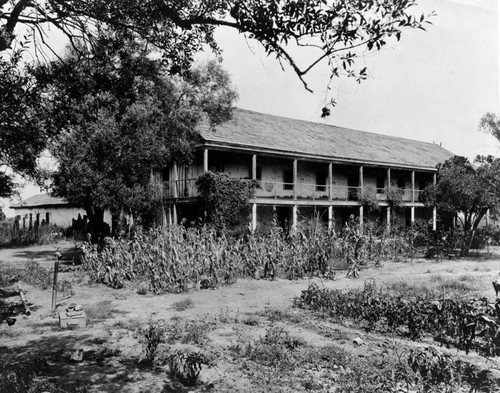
(255, 131)
(40, 200)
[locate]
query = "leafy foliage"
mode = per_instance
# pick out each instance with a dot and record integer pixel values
(120, 118)
(463, 189)
(225, 199)
(451, 321)
(22, 138)
(329, 32)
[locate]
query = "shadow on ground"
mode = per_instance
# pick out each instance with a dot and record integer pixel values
(49, 357)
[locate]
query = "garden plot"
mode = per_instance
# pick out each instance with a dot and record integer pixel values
(247, 336)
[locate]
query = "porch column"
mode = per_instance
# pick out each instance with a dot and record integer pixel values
(174, 214)
(434, 211)
(254, 166)
(388, 218)
(330, 181)
(294, 217)
(361, 186)
(295, 179)
(413, 186)
(205, 160)
(388, 178)
(253, 224)
(330, 217)
(176, 178)
(412, 213)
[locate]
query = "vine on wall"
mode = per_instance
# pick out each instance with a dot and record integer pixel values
(225, 199)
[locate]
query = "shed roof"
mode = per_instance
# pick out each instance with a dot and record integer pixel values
(274, 134)
(40, 200)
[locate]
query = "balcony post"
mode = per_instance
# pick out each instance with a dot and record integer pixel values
(176, 178)
(330, 181)
(412, 214)
(434, 210)
(294, 217)
(253, 224)
(174, 214)
(388, 178)
(254, 166)
(330, 216)
(295, 179)
(413, 186)
(205, 160)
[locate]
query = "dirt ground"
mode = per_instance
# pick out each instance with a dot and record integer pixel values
(231, 317)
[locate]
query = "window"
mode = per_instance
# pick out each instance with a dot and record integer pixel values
(401, 183)
(165, 174)
(288, 179)
(321, 181)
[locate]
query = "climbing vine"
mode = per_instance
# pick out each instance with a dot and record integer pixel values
(225, 199)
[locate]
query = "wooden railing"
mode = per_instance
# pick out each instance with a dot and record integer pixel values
(281, 190)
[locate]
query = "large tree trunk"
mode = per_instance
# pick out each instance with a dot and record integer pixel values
(96, 227)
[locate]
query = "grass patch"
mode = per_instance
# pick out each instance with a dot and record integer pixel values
(183, 305)
(99, 311)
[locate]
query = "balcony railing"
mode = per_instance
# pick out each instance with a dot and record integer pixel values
(302, 191)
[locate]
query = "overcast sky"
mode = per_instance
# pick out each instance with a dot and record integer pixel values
(432, 86)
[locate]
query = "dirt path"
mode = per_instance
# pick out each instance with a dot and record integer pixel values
(242, 312)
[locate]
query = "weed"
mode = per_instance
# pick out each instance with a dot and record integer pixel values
(251, 320)
(189, 332)
(183, 305)
(152, 336)
(186, 366)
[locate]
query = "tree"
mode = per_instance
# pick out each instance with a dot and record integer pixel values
(122, 117)
(467, 192)
(22, 138)
(328, 31)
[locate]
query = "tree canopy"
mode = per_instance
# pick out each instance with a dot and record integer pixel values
(467, 192)
(122, 116)
(326, 30)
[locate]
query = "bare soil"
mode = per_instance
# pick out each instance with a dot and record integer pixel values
(226, 320)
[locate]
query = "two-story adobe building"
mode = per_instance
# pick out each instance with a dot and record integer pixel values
(305, 169)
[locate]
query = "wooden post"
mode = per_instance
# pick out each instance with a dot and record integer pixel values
(388, 178)
(205, 160)
(330, 217)
(330, 181)
(54, 284)
(174, 214)
(295, 179)
(253, 225)
(176, 178)
(388, 218)
(412, 214)
(361, 218)
(412, 187)
(294, 217)
(254, 166)
(434, 211)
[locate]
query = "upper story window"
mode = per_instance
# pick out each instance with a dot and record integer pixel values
(258, 175)
(401, 182)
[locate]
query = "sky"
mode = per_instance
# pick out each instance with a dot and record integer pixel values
(432, 86)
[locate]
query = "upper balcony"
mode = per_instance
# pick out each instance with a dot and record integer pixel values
(183, 189)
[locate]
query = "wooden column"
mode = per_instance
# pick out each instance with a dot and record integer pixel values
(205, 160)
(254, 166)
(176, 178)
(253, 224)
(295, 179)
(330, 181)
(388, 178)
(412, 212)
(434, 211)
(330, 217)
(413, 186)
(388, 218)
(174, 214)
(361, 186)
(294, 217)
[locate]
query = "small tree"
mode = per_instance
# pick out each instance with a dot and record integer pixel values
(467, 192)
(225, 199)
